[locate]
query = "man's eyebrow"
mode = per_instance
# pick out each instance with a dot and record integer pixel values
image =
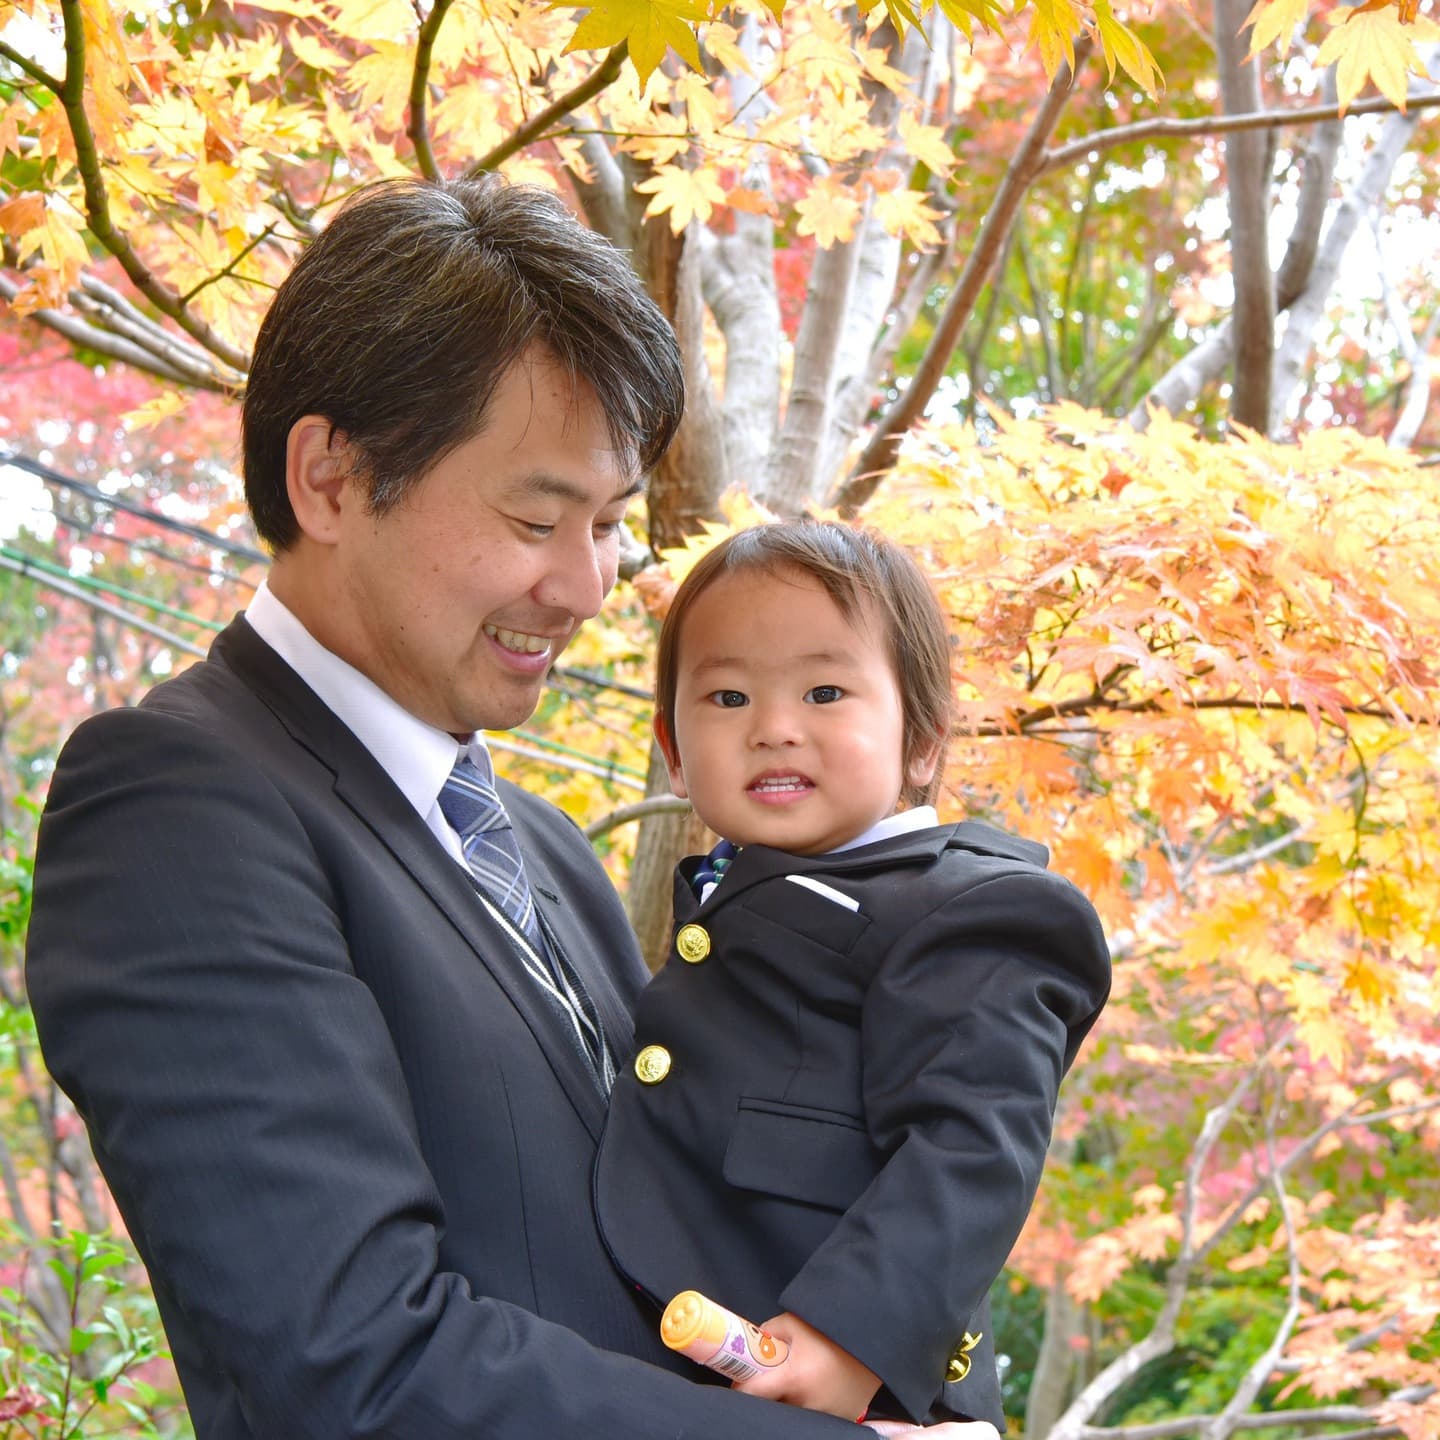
(556, 487)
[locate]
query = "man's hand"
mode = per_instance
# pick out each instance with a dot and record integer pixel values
(818, 1374)
(950, 1430)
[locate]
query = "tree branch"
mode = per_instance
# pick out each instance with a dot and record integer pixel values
(537, 125)
(654, 805)
(1076, 150)
(97, 202)
(81, 333)
(418, 128)
(880, 454)
(29, 67)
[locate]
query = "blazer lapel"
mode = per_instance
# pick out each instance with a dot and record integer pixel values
(369, 793)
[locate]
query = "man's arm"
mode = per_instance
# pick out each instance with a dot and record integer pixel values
(193, 989)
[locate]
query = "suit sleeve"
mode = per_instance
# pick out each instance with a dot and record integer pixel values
(193, 992)
(973, 1017)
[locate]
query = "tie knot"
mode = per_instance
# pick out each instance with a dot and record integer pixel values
(469, 801)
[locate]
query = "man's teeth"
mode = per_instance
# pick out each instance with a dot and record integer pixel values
(518, 640)
(782, 782)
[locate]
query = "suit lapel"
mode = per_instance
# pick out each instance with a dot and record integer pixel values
(364, 787)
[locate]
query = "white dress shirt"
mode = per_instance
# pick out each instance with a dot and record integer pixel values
(416, 756)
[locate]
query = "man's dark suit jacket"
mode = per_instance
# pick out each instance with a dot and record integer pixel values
(858, 1102)
(353, 1147)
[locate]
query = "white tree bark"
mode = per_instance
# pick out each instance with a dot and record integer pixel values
(1304, 316)
(1190, 376)
(738, 283)
(1416, 395)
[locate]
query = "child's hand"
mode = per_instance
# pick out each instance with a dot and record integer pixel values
(817, 1375)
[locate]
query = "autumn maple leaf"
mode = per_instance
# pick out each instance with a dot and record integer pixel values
(1375, 45)
(647, 28)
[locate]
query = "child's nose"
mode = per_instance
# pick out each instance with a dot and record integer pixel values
(774, 725)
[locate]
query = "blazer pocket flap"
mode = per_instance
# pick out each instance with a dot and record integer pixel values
(810, 913)
(795, 1152)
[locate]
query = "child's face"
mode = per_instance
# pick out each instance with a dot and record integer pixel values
(788, 726)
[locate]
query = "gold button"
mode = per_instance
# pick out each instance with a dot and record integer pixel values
(693, 943)
(958, 1366)
(652, 1064)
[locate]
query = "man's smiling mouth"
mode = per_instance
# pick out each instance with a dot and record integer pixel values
(519, 641)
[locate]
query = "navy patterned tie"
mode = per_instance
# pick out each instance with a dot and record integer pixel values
(711, 870)
(470, 803)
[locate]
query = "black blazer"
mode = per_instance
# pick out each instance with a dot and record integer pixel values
(352, 1146)
(858, 1102)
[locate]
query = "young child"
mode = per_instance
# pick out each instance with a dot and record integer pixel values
(846, 1075)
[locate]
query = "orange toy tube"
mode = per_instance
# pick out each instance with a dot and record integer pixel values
(718, 1338)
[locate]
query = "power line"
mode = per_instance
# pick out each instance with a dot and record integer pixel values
(131, 507)
(25, 567)
(96, 584)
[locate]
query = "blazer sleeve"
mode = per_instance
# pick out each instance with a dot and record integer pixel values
(973, 1017)
(190, 979)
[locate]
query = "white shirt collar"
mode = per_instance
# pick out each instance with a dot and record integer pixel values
(416, 756)
(921, 817)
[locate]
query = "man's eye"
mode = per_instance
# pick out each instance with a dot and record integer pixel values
(729, 699)
(536, 528)
(823, 694)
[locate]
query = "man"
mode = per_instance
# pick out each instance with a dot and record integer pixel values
(342, 1045)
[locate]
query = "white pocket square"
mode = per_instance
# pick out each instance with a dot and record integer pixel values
(824, 890)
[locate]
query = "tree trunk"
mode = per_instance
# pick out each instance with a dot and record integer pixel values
(1361, 199)
(1247, 164)
(1183, 383)
(685, 487)
(663, 840)
(1055, 1365)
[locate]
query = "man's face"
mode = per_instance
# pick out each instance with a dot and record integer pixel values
(457, 601)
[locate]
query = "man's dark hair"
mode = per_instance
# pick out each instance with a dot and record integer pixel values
(868, 576)
(400, 320)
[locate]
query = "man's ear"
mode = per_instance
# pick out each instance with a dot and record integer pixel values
(666, 742)
(317, 470)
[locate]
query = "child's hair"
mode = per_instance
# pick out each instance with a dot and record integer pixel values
(858, 568)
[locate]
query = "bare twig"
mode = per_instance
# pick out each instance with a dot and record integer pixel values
(1087, 145)
(655, 805)
(418, 128)
(539, 124)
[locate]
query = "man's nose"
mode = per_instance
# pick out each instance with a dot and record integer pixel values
(577, 580)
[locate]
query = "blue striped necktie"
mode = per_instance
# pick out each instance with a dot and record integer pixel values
(470, 803)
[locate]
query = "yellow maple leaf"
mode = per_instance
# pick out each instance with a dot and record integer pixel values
(380, 82)
(962, 14)
(152, 412)
(1273, 20)
(927, 144)
(1054, 24)
(829, 212)
(1373, 984)
(904, 212)
(1367, 45)
(1123, 47)
(647, 29)
(684, 195)
(312, 51)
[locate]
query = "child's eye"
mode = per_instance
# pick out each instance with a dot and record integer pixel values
(823, 694)
(729, 699)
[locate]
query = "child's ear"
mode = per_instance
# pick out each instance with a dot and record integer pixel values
(921, 764)
(666, 742)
